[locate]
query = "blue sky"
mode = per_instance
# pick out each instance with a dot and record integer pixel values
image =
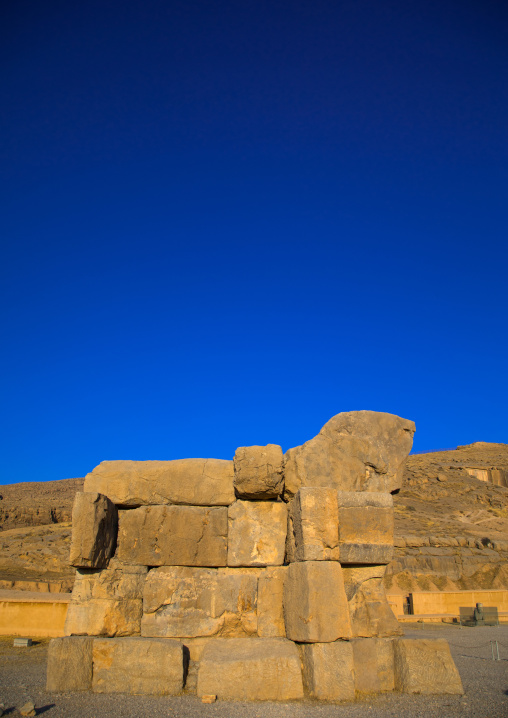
(224, 222)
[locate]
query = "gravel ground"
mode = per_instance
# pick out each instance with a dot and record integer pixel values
(23, 675)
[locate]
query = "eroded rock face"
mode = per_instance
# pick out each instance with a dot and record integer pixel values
(94, 528)
(189, 602)
(138, 665)
(328, 670)
(263, 669)
(173, 536)
(365, 527)
(196, 482)
(259, 472)
(257, 533)
(313, 525)
(315, 603)
(425, 666)
(354, 451)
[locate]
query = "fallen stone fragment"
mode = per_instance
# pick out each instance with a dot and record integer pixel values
(425, 666)
(138, 665)
(94, 528)
(313, 525)
(263, 669)
(69, 664)
(328, 671)
(173, 536)
(259, 472)
(354, 451)
(315, 603)
(28, 709)
(365, 527)
(196, 482)
(257, 533)
(208, 699)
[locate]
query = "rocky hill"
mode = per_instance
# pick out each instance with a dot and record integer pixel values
(451, 528)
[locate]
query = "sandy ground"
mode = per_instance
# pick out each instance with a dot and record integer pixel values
(23, 673)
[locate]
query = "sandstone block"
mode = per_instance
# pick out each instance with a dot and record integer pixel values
(425, 666)
(365, 527)
(196, 482)
(188, 602)
(137, 665)
(259, 473)
(251, 669)
(94, 527)
(256, 533)
(315, 603)
(369, 611)
(354, 451)
(374, 665)
(270, 605)
(69, 664)
(313, 525)
(173, 536)
(328, 670)
(107, 602)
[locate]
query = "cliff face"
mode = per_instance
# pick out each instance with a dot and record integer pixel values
(37, 503)
(452, 528)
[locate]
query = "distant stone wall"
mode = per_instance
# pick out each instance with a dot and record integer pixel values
(257, 578)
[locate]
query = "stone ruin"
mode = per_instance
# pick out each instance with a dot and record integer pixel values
(259, 578)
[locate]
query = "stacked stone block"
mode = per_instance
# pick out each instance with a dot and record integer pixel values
(223, 578)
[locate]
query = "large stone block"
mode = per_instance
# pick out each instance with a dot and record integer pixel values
(365, 527)
(374, 665)
(94, 527)
(138, 665)
(270, 602)
(196, 482)
(173, 536)
(107, 602)
(369, 611)
(69, 664)
(187, 602)
(425, 666)
(354, 451)
(313, 525)
(328, 670)
(259, 473)
(257, 533)
(263, 669)
(315, 603)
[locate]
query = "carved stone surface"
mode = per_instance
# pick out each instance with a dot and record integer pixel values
(425, 666)
(354, 451)
(173, 536)
(257, 533)
(259, 472)
(313, 525)
(365, 527)
(94, 527)
(374, 665)
(270, 602)
(69, 664)
(263, 669)
(196, 482)
(328, 670)
(315, 603)
(369, 610)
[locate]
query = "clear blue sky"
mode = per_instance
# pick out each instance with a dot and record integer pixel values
(224, 222)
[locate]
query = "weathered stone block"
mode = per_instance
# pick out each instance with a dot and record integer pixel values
(256, 533)
(328, 671)
(138, 665)
(365, 527)
(69, 664)
(107, 602)
(266, 669)
(259, 473)
(187, 602)
(354, 451)
(374, 664)
(315, 603)
(270, 602)
(425, 666)
(94, 527)
(173, 536)
(196, 482)
(313, 525)
(369, 611)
